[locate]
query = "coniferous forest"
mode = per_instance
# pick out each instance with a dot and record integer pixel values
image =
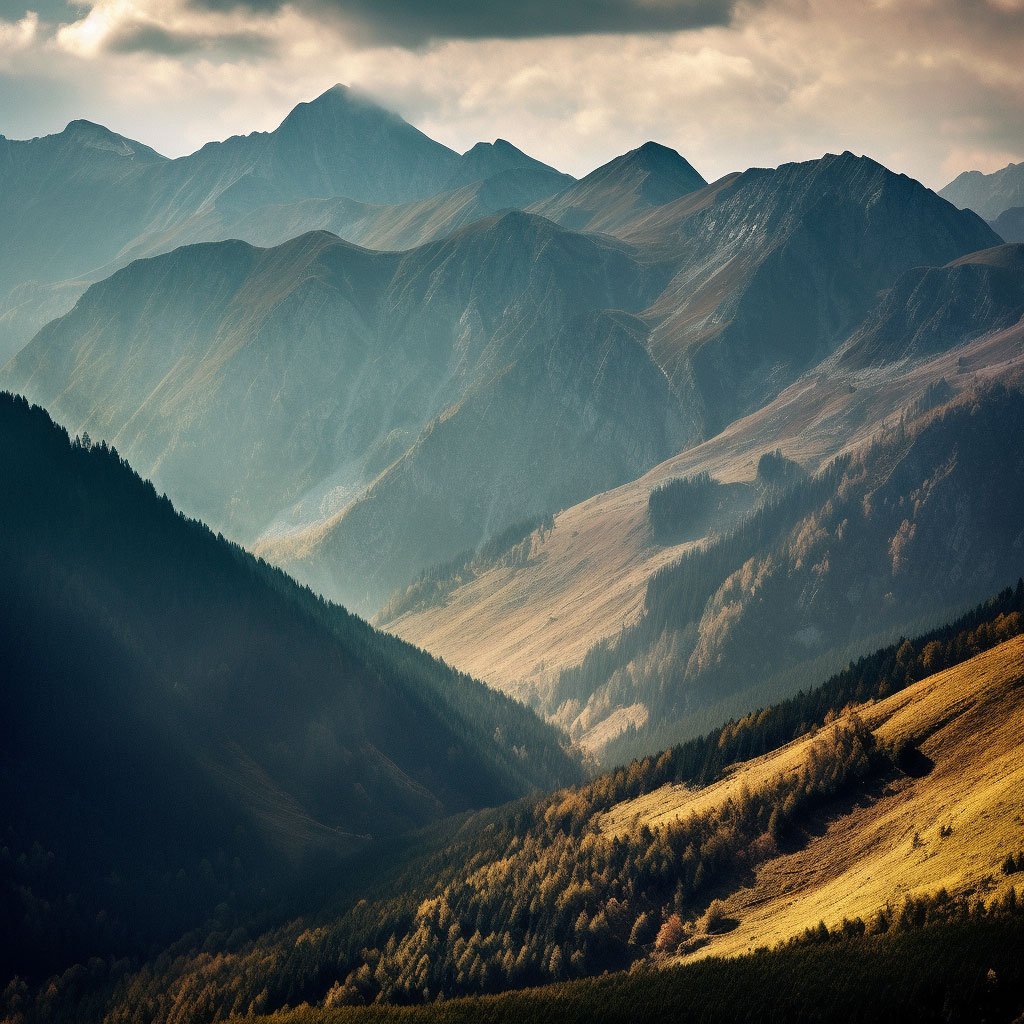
(447, 584)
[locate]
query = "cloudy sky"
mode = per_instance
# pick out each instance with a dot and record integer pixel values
(930, 87)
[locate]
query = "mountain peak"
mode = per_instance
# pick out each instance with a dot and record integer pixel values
(97, 136)
(661, 174)
(340, 103)
(486, 159)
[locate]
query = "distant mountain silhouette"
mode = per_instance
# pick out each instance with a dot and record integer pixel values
(988, 195)
(76, 206)
(622, 189)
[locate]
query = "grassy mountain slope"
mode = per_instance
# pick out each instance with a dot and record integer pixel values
(519, 626)
(598, 878)
(184, 725)
(905, 530)
(947, 824)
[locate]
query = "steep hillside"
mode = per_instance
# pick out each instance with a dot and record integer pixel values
(927, 510)
(600, 877)
(947, 824)
(566, 419)
(931, 310)
(622, 190)
(519, 625)
(269, 390)
(778, 266)
(185, 726)
(988, 195)
(1010, 224)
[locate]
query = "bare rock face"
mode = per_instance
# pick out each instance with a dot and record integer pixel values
(778, 266)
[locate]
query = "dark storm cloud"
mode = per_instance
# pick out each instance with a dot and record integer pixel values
(147, 38)
(413, 22)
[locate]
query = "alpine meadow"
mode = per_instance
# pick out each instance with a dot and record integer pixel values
(534, 533)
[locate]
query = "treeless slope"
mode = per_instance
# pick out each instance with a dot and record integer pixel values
(965, 723)
(586, 579)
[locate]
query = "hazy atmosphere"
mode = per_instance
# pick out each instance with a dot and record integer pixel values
(929, 87)
(511, 513)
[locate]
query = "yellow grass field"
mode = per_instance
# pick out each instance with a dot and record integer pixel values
(968, 721)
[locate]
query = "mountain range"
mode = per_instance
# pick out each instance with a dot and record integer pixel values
(682, 504)
(989, 195)
(78, 205)
(586, 654)
(376, 413)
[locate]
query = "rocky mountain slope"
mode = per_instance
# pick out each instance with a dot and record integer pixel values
(369, 413)
(522, 625)
(988, 195)
(414, 398)
(623, 189)
(778, 266)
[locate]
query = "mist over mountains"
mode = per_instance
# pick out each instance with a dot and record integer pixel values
(609, 462)
(378, 413)
(78, 205)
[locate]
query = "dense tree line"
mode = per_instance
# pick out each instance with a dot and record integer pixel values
(958, 970)
(526, 895)
(901, 535)
(678, 508)
(529, 893)
(536, 891)
(184, 727)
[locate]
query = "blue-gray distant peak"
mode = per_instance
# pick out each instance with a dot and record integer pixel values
(987, 194)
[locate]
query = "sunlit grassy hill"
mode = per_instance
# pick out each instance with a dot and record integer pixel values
(947, 822)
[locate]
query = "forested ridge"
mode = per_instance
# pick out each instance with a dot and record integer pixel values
(185, 727)
(535, 893)
(961, 966)
(822, 566)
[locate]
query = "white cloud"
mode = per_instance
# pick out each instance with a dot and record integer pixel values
(926, 86)
(16, 36)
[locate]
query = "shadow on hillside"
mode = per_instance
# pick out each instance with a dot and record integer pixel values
(910, 761)
(817, 822)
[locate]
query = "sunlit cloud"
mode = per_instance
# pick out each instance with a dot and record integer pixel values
(927, 86)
